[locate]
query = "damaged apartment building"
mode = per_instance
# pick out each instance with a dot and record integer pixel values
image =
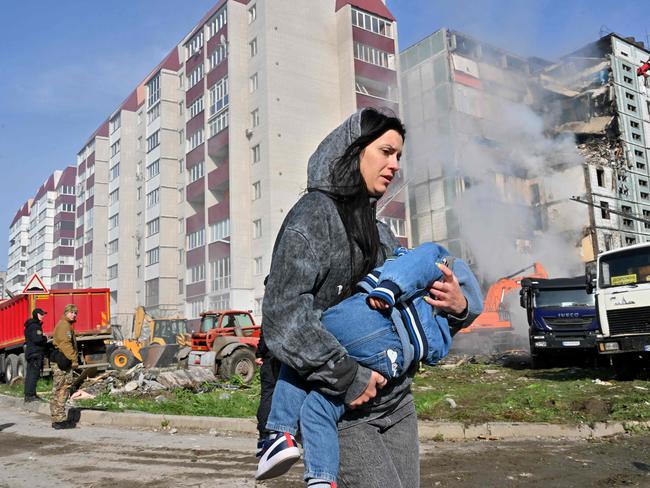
(476, 148)
(600, 98)
(499, 143)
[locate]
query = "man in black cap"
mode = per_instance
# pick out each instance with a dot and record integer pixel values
(35, 349)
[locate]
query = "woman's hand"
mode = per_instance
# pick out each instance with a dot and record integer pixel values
(447, 295)
(376, 381)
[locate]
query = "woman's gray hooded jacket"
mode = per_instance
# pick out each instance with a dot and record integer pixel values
(309, 270)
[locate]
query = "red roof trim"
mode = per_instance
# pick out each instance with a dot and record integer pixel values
(376, 7)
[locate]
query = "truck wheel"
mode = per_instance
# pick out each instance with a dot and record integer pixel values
(540, 360)
(241, 363)
(625, 368)
(11, 368)
(21, 367)
(121, 358)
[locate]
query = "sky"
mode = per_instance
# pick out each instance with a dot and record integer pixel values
(68, 64)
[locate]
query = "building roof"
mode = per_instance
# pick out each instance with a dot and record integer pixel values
(376, 7)
(23, 211)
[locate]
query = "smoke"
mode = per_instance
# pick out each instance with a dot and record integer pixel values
(514, 208)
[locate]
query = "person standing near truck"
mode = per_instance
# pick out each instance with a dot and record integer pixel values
(65, 362)
(35, 347)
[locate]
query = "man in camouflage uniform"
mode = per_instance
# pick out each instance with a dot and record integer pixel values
(66, 345)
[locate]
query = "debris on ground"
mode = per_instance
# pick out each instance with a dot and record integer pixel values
(141, 380)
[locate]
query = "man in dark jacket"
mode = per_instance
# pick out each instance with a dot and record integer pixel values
(35, 349)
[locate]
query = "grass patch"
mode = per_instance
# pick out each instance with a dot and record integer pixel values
(43, 388)
(470, 393)
(490, 393)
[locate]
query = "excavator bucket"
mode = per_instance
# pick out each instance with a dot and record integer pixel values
(159, 356)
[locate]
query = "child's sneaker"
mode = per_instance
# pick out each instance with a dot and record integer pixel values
(278, 453)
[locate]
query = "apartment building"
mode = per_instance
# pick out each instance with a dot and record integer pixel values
(64, 231)
(91, 210)
(17, 250)
(606, 105)
(464, 102)
(264, 83)
(180, 192)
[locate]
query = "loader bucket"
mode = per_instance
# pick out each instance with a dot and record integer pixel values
(159, 356)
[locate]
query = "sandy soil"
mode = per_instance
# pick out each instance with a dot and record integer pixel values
(34, 455)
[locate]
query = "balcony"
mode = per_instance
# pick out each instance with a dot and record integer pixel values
(194, 192)
(218, 179)
(218, 145)
(195, 222)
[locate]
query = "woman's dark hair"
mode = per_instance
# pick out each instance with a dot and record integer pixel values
(355, 208)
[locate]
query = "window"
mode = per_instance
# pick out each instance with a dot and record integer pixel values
(626, 67)
(397, 226)
(196, 172)
(372, 23)
(114, 172)
(153, 87)
(630, 240)
(195, 76)
(255, 154)
(372, 55)
(600, 177)
(219, 123)
(257, 310)
(252, 83)
(153, 197)
(646, 216)
(629, 96)
(217, 22)
(113, 246)
(153, 169)
(636, 137)
(252, 14)
(115, 123)
(153, 256)
(631, 108)
(192, 47)
(626, 209)
(115, 148)
(153, 113)
(138, 193)
(196, 239)
(643, 183)
(196, 273)
(195, 140)
(181, 287)
(153, 141)
(258, 265)
(627, 80)
(252, 48)
(257, 190)
(181, 166)
(257, 228)
(114, 196)
(634, 124)
(220, 274)
(196, 107)
(219, 95)
(220, 230)
(604, 210)
(112, 272)
(153, 227)
(217, 56)
(151, 288)
(67, 190)
(644, 195)
(255, 117)
(113, 221)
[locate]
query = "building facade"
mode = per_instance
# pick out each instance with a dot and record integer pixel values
(18, 249)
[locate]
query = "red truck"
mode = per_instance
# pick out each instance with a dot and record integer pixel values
(92, 327)
(226, 342)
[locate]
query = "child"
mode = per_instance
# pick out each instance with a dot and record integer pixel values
(386, 326)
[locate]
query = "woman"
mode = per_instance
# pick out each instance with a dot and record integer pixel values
(328, 241)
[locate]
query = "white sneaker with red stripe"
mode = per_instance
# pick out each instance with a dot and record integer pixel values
(278, 454)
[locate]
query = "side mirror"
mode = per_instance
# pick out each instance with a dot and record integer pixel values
(523, 298)
(590, 276)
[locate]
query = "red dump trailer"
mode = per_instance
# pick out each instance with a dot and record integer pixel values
(92, 326)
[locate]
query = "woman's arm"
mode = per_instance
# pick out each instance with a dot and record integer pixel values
(291, 322)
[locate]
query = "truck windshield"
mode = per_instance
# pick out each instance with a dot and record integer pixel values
(209, 322)
(564, 298)
(626, 267)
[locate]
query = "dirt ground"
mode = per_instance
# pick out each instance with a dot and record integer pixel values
(34, 455)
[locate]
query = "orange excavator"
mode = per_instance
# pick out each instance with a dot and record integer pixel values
(493, 329)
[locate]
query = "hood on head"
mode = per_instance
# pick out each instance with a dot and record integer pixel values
(321, 163)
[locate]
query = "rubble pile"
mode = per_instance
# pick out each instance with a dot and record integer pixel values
(142, 381)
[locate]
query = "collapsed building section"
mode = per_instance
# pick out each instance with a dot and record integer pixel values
(597, 94)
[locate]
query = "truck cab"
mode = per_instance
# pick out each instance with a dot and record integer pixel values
(561, 316)
(622, 288)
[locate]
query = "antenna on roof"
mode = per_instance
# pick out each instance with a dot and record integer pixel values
(604, 30)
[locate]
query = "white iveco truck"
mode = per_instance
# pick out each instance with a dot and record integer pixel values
(623, 306)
